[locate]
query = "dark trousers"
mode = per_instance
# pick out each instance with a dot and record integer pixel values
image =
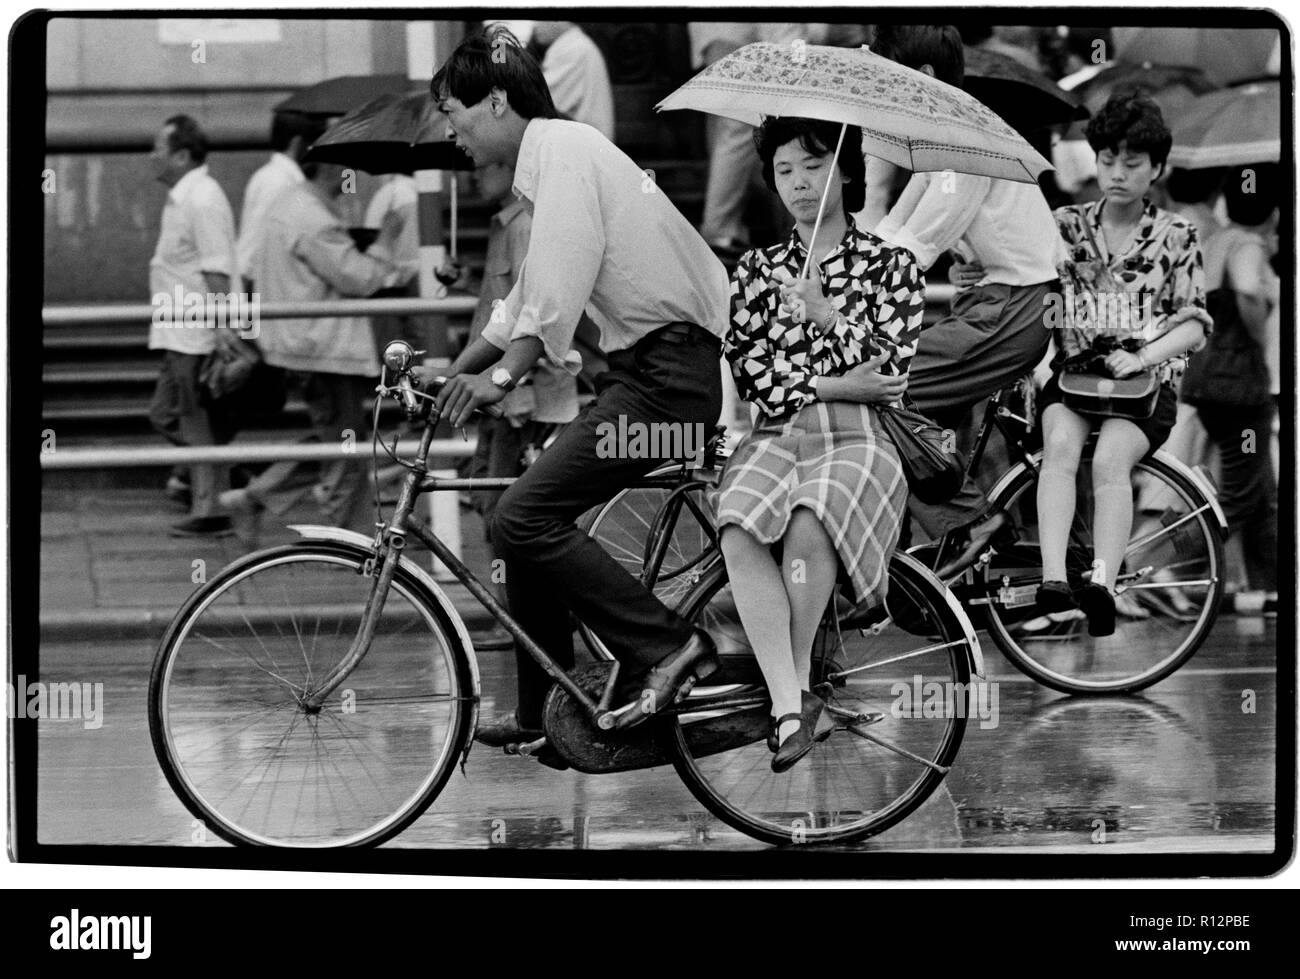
(334, 406)
(1247, 485)
(177, 413)
(993, 335)
(552, 567)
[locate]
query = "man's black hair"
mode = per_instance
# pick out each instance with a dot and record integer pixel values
(186, 134)
(493, 58)
(1135, 120)
(286, 125)
(1250, 193)
(1194, 186)
(818, 138)
(938, 46)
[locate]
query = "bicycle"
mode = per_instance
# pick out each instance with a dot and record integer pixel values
(1173, 565)
(320, 693)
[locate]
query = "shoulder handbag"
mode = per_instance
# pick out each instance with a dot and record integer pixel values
(931, 463)
(1088, 388)
(235, 378)
(1230, 370)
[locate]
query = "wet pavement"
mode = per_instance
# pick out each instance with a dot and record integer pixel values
(1187, 766)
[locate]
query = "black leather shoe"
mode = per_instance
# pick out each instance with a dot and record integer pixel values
(1098, 605)
(202, 527)
(815, 725)
(669, 680)
(979, 536)
(1054, 596)
(506, 730)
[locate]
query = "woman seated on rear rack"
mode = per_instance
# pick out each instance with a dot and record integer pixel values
(1153, 256)
(816, 475)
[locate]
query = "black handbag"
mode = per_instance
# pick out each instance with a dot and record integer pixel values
(236, 379)
(1088, 387)
(934, 468)
(1230, 370)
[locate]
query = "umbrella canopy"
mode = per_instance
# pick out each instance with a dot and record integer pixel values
(335, 96)
(1232, 127)
(906, 117)
(392, 134)
(1026, 99)
(1170, 86)
(1225, 56)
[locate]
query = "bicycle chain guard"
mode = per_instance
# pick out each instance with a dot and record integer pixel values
(590, 750)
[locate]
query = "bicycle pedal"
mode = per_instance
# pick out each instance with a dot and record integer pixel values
(532, 747)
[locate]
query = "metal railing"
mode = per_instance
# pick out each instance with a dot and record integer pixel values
(109, 313)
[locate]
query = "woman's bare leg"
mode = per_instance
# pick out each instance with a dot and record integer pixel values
(760, 596)
(809, 566)
(1064, 434)
(1120, 446)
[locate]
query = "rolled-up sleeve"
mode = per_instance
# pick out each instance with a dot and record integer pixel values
(933, 213)
(1183, 297)
(332, 254)
(565, 251)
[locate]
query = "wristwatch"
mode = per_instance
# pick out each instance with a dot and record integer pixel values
(503, 379)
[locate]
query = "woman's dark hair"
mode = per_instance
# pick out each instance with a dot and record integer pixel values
(818, 138)
(1135, 120)
(938, 46)
(186, 134)
(1250, 194)
(493, 58)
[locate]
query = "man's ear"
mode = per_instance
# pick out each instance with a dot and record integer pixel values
(498, 101)
(927, 70)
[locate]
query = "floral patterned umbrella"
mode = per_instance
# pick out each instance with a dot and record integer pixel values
(906, 117)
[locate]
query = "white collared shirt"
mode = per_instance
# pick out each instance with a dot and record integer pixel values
(1004, 225)
(197, 235)
(606, 238)
(264, 186)
(576, 74)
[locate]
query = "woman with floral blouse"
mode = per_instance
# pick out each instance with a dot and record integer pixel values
(816, 474)
(1152, 255)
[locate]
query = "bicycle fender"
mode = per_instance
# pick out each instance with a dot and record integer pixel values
(1193, 477)
(976, 656)
(362, 542)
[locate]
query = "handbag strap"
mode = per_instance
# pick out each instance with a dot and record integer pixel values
(1092, 239)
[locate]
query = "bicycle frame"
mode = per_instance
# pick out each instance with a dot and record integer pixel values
(389, 542)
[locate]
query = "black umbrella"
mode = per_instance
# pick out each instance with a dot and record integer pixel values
(1171, 86)
(335, 96)
(391, 134)
(1026, 99)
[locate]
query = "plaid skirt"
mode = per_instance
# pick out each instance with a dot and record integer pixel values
(834, 459)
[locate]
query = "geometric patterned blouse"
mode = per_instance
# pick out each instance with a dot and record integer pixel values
(1160, 272)
(877, 290)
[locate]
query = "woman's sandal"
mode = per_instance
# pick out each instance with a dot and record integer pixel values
(815, 718)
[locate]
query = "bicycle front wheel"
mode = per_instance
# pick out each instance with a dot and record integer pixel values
(226, 710)
(900, 693)
(1171, 582)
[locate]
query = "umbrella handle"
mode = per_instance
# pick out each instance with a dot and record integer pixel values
(454, 214)
(807, 262)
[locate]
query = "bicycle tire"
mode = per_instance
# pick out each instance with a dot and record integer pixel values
(1143, 651)
(847, 788)
(233, 739)
(622, 526)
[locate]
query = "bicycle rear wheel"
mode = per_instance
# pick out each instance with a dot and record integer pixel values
(1172, 580)
(228, 723)
(623, 526)
(899, 692)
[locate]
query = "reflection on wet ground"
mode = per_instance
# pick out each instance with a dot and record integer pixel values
(1187, 766)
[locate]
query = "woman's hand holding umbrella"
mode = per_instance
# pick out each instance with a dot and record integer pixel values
(803, 297)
